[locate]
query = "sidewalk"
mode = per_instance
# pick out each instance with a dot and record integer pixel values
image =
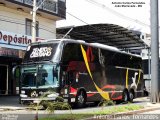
(10, 103)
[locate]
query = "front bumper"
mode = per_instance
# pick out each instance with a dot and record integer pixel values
(36, 100)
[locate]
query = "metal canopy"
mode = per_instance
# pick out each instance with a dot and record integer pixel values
(109, 34)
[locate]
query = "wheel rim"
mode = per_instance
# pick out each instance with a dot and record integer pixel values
(125, 97)
(131, 96)
(81, 98)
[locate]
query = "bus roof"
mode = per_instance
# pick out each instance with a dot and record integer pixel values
(98, 45)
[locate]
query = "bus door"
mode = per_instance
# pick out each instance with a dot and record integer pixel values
(65, 85)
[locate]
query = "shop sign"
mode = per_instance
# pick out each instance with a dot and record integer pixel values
(13, 40)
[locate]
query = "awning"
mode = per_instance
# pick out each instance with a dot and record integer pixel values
(109, 34)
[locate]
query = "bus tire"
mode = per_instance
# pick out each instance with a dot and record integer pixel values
(125, 96)
(131, 95)
(81, 99)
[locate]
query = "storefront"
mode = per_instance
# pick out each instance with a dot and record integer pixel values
(16, 31)
(12, 50)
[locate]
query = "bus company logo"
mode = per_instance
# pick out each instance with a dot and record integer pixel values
(41, 52)
(34, 94)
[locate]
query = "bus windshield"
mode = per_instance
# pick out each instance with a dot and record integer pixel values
(41, 76)
(42, 52)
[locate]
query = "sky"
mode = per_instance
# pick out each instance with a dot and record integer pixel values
(83, 12)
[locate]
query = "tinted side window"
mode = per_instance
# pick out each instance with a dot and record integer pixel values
(91, 53)
(72, 52)
(96, 57)
(135, 62)
(119, 59)
(110, 58)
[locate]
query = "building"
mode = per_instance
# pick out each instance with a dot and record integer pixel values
(16, 31)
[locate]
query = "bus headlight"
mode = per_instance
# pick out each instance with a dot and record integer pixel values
(23, 92)
(23, 96)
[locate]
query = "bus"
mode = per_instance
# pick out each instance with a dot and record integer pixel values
(79, 72)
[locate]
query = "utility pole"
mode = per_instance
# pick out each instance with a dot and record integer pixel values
(155, 87)
(35, 8)
(34, 22)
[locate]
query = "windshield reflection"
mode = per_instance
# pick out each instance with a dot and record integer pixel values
(40, 76)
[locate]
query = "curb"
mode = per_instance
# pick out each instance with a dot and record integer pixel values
(114, 116)
(11, 109)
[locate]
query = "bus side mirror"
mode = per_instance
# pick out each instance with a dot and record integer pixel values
(16, 72)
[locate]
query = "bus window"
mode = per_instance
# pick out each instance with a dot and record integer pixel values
(72, 52)
(69, 53)
(95, 54)
(110, 58)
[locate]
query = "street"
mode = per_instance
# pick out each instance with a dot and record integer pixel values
(10, 108)
(12, 103)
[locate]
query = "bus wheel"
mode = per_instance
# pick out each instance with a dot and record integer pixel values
(125, 96)
(81, 99)
(131, 96)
